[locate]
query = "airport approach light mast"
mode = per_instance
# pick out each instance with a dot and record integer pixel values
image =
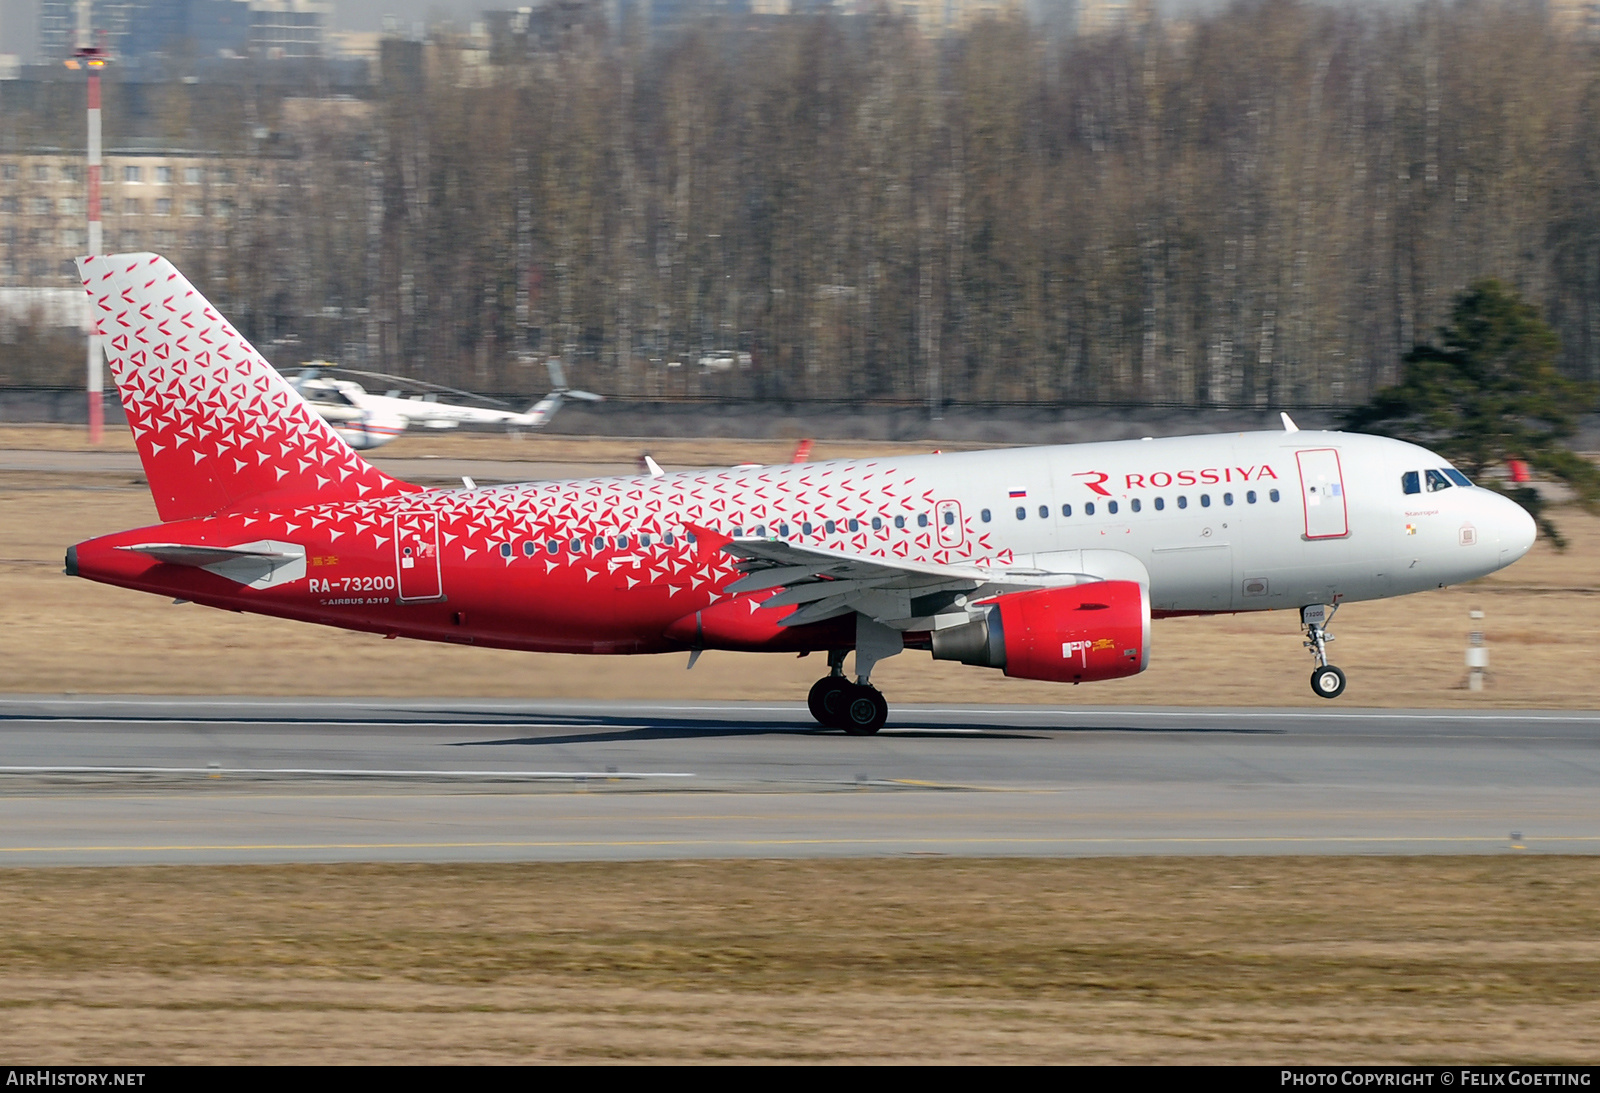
(92, 59)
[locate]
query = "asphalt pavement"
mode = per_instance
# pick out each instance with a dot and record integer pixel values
(181, 780)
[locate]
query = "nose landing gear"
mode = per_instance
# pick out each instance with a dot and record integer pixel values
(858, 708)
(1326, 680)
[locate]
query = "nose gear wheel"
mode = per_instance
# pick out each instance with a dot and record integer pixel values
(1326, 681)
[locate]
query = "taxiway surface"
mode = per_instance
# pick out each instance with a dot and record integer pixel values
(168, 780)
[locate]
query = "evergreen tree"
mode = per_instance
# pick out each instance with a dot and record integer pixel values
(1489, 392)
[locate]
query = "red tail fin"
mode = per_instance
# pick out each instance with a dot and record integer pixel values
(217, 427)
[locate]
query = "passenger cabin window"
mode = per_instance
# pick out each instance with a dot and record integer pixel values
(949, 518)
(1161, 503)
(1205, 500)
(1437, 481)
(1066, 510)
(1183, 502)
(1250, 496)
(877, 523)
(805, 528)
(922, 519)
(1411, 482)
(1135, 504)
(1044, 512)
(855, 525)
(829, 526)
(1111, 507)
(528, 547)
(900, 521)
(1088, 508)
(1227, 499)
(984, 516)
(1273, 495)
(1022, 513)
(505, 550)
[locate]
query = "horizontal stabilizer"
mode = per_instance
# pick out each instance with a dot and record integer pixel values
(259, 565)
(201, 556)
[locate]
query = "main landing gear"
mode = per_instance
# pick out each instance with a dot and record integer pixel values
(1326, 680)
(858, 708)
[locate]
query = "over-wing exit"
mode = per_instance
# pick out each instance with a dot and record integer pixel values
(1045, 563)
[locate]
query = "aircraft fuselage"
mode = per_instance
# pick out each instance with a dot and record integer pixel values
(1232, 522)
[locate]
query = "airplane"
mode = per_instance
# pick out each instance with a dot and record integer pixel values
(366, 421)
(1044, 563)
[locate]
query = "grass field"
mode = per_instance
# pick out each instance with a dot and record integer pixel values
(1332, 960)
(66, 635)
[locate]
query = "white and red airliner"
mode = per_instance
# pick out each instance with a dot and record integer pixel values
(1046, 563)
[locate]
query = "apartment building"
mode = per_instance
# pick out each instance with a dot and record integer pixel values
(175, 202)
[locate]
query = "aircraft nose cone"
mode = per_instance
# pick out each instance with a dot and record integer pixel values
(1516, 530)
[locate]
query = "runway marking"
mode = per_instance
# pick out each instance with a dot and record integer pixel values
(891, 841)
(356, 773)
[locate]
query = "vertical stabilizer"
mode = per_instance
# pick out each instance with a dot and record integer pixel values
(217, 427)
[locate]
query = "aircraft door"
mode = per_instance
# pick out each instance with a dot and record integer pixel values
(952, 531)
(416, 557)
(1322, 494)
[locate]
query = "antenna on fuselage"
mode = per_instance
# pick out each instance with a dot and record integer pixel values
(1288, 423)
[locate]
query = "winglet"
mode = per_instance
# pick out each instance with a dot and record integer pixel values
(1288, 423)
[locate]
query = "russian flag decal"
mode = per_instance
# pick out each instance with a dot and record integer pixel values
(1019, 493)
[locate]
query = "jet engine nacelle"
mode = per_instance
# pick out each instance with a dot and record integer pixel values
(1083, 632)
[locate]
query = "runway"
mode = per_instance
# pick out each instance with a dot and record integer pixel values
(165, 780)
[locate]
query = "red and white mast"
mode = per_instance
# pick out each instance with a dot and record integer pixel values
(93, 60)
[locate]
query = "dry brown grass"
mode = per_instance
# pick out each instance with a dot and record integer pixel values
(1403, 652)
(1102, 960)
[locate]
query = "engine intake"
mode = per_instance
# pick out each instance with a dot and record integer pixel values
(1067, 635)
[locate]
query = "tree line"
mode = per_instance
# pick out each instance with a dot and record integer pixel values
(1267, 206)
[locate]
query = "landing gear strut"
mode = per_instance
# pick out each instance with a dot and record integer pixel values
(858, 708)
(1326, 680)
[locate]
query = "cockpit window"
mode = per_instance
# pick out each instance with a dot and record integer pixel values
(1437, 481)
(1457, 477)
(1411, 482)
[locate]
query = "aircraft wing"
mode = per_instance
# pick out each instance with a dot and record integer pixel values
(898, 592)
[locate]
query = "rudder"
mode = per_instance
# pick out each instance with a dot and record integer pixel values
(217, 427)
